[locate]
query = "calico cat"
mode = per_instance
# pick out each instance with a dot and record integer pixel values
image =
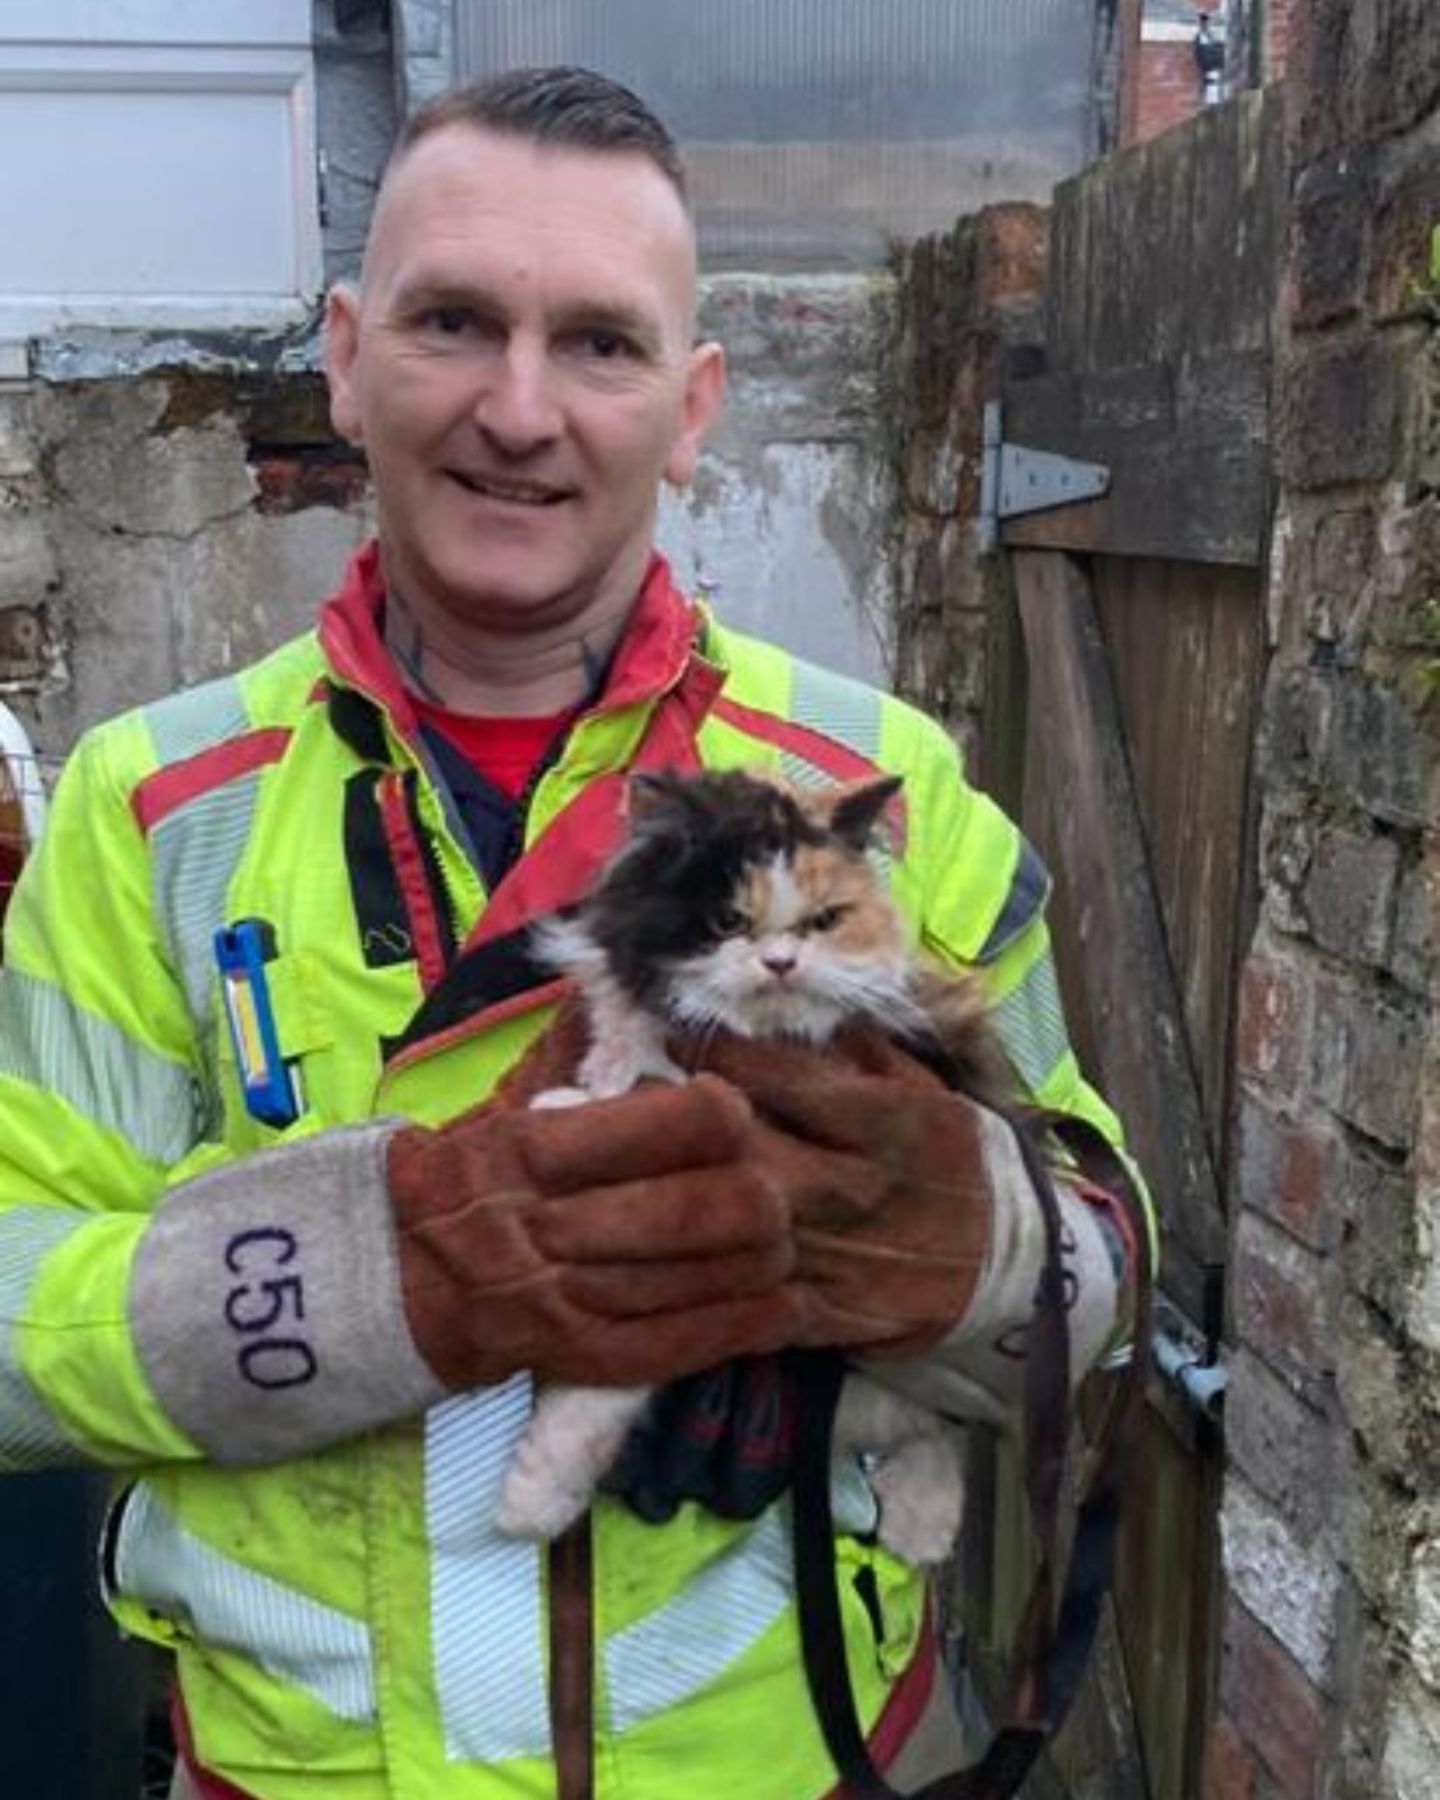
(740, 903)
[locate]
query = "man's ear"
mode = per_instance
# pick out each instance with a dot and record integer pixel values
(342, 350)
(704, 390)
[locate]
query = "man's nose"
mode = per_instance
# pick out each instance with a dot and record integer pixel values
(518, 407)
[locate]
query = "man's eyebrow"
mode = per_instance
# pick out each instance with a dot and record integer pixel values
(426, 291)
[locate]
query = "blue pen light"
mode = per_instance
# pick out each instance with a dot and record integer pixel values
(270, 1085)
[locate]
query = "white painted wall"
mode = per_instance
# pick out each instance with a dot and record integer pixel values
(157, 164)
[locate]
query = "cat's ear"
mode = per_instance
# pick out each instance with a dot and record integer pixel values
(659, 797)
(857, 808)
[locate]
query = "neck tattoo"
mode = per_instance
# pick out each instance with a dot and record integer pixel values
(406, 643)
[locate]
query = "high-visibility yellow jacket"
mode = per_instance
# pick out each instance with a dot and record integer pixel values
(350, 1624)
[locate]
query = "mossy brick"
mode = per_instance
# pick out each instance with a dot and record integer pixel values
(1402, 277)
(1338, 410)
(1381, 751)
(1417, 925)
(1330, 238)
(1349, 893)
(1368, 1053)
(1366, 70)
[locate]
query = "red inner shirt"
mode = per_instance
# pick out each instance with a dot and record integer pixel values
(505, 751)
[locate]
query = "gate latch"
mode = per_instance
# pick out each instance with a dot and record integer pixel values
(1192, 1366)
(1014, 480)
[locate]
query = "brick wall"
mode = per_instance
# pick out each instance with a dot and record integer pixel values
(1330, 1680)
(1281, 20)
(965, 300)
(1168, 88)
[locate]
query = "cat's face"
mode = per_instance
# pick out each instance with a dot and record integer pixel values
(741, 904)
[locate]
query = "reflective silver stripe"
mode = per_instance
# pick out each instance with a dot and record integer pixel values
(296, 1639)
(184, 724)
(1029, 890)
(841, 708)
(685, 1645)
(486, 1608)
(48, 1041)
(689, 1642)
(486, 1611)
(1031, 1023)
(30, 1435)
(196, 849)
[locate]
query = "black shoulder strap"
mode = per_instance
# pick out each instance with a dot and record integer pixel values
(1054, 1643)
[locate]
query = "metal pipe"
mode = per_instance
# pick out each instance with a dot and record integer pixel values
(1192, 1366)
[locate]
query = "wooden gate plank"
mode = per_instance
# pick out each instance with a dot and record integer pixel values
(1116, 960)
(1186, 450)
(1186, 651)
(1098, 1754)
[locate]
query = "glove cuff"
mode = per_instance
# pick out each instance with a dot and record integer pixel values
(266, 1306)
(977, 1371)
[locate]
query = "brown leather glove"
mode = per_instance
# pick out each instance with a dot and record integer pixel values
(623, 1242)
(885, 1174)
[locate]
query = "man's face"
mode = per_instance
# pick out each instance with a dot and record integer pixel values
(519, 367)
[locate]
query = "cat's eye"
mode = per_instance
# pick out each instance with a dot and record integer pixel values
(825, 918)
(731, 920)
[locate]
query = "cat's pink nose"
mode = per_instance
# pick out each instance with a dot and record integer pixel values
(779, 963)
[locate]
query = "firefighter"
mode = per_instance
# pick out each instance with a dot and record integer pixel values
(271, 1250)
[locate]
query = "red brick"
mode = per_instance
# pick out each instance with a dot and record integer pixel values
(1273, 1709)
(1168, 89)
(1293, 1171)
(1012, 256)
(1229, 1766)
(1280, 1303)
(1273, 1033)
(1280, 23)
(290, 482)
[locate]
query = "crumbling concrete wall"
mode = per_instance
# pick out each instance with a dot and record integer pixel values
(786, 526)
(162, 525)
(1330, 1681)
(142, 548)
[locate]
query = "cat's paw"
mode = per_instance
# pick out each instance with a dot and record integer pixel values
(552, 1099)
(533, 1505)
(922, 1501)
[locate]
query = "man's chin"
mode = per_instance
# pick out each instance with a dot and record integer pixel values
(501, 598)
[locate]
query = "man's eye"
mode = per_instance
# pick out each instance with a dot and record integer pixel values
(607, 346)
(449, 321)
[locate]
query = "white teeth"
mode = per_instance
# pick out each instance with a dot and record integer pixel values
(497, 490)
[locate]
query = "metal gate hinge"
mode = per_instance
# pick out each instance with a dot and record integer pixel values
(1014, 480)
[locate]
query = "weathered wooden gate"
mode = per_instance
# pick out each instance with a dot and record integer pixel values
(1121, 731)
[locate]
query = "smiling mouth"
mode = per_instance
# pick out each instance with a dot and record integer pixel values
(512, 493)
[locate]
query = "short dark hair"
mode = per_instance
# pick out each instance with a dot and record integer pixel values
(564, 106)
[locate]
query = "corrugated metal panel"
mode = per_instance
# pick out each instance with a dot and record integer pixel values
(816, 129)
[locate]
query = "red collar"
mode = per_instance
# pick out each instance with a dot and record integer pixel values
(650, 659)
